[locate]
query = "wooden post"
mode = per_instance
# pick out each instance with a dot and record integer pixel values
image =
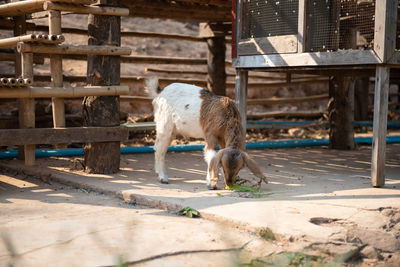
(384, 47)
(380, 126)
(341, 103)
(29, 108)
(56, 74)
(341, 112)
(19, 29)
(241, 94)
(215, 37)
(361, 98)
(103, 157)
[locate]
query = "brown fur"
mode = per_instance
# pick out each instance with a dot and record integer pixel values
(221, 121)
(222, 125)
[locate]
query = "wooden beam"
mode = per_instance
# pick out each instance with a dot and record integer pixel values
(136, 99)
(31, 6)
(95, 10)
(28, 107)
(73, 92)
(223, 3)
(380, 126)
(385, 29)
(179, 12)
(50, 136)
(37, 59)
(65, 49)
(56, 71)
(268, 45)
(298, 114)
(241, 94)
(316, 59)
(292, 100)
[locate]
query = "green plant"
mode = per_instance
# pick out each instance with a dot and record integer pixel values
(266, 233)
(189, 212)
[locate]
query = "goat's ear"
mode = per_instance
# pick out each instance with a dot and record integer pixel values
(213, 168)
(253, 167)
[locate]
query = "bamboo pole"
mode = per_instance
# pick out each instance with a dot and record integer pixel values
(12, 82)
(28, 107)
(56, 71)
(13, 41)
(96, 10)
(74, 92)
(74, 50)
(32, 6)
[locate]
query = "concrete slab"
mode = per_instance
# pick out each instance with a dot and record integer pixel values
(308, 189)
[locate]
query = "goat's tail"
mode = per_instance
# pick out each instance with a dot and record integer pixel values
(151, 86)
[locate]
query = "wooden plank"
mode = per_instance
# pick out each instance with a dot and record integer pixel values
(316, 59)
(268, 45)
(380, 126)
(292, 100)
(385, 29)
(73, 92)
(277, 114)
(241, 94)
(51, 136)
(78, 9)
(302, 27)
(66, 49)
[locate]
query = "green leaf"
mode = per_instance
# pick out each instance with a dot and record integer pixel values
(242, 188)
(189, 212)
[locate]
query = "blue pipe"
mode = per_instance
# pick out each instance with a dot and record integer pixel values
(356, 123)
(68, 152)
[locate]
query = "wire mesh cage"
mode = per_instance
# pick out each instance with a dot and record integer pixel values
(331, 24)
(265, 18)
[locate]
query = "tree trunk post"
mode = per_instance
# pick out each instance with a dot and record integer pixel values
(341, 113)
(341, 103)
(103, 157)
(361, 90)
(215, 37)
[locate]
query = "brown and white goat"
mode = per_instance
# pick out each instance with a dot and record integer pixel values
(196, 112)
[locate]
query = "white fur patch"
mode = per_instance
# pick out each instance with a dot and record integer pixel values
(209, 154)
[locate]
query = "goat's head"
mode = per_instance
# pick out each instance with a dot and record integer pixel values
(232, 160)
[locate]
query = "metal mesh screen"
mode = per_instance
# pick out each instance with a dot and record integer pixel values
(264, 18)
(341, 24)
(332, 24)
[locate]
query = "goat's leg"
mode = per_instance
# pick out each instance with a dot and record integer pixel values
(209, 154)
(163, 140)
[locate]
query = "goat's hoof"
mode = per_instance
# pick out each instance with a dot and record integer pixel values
(210, 187)
(163, 181)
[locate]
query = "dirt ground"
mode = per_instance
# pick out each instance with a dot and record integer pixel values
(318, 208)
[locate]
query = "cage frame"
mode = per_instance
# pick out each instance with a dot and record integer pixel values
(383, 56)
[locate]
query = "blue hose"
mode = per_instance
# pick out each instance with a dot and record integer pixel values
(69, 152)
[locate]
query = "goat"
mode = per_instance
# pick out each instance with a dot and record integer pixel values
(195, 112)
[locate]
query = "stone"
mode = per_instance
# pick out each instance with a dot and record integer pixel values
(378, 239)
(369, 252)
